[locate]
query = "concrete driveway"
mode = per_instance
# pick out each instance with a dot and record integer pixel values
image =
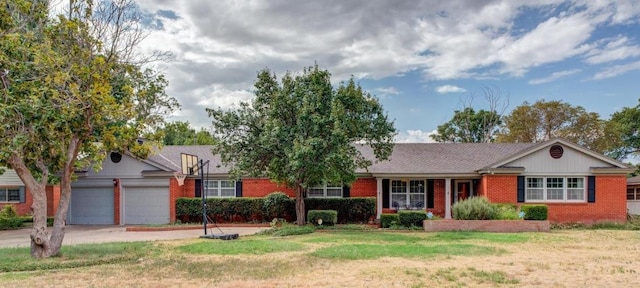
(77, 234)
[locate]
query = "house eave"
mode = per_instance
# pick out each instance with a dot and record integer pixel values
(501, 170)
(611, 171)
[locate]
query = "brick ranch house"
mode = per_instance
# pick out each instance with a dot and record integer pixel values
(577, 184)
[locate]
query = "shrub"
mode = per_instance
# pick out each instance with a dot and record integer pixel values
(275, 205)
(411, 218)
(534, 211)
(506, 211)
(8, 211)
(350, 210)
(388, 220)
(329, 217)
(7, 223)
(474, 208)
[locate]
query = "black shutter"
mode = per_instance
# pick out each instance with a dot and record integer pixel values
(22, 195)
(430, 193)
(346, 191)
(198, 188)
(238, 188)
(521, 189)
(385, 193)
(591, 192)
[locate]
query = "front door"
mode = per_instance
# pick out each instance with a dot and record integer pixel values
(463, 190)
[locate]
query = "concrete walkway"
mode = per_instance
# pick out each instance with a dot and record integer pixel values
(77, 234)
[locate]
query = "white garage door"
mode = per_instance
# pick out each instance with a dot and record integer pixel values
(146, 205)
(91, 206)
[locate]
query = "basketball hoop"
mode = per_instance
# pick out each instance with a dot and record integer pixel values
(180, 177)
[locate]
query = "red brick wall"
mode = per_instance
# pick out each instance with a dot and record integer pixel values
(364, 187)
(22, 208)
(53, 199)
(439, 197)
(500, 188)
(116, 202)
(261, 187)
(610, 205)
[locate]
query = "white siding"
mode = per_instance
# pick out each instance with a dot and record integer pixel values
(128, 167)
(572, 162)
(633, 207)
(10, 178)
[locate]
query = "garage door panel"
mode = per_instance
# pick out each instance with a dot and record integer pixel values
(146, 205)
(91, 206)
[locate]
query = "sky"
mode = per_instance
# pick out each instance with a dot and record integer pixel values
(422, 59)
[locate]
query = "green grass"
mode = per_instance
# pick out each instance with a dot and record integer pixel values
(369, 251)
(19, 259)
(366, 237)
(490, 237)
(253, 246)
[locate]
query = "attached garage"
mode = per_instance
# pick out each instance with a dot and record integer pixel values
(91, 205)
(146, 205)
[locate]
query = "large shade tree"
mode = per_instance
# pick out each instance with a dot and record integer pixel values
(626, 122)
(302, 132)
(181, 133)
(72, 90)
(544, 120)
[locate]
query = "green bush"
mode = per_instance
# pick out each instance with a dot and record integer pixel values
(329, 217)
(388, 220)
(507, 211)
(275, 205)
(8, 211)
(7, 223)
(411, 218)
(474, 208)
(350, 210)
(534, 211)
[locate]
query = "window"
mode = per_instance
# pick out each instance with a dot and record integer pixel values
(9, 194)
(407, 194)
(326, 190)
(633, 193)
(220, 188)
(555, 189)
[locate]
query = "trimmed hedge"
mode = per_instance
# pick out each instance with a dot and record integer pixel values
(8, 223)
(329, 217)
(411, 218)
(534, 211)
(387, 220)
(245, 209)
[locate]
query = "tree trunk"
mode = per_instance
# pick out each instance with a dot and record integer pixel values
(300, 215)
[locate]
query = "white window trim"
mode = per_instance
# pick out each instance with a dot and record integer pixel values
(6, 190)
(408, 194)
(565, 190)
(324, 189)
(217, 191)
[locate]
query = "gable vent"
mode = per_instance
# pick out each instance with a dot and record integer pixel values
(556, 151)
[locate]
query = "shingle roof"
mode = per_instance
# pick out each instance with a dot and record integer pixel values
(634, 180)
(407, 158)
(442, 158)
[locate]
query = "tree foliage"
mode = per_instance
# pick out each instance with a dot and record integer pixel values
(181, 133)
(626, 123)
(469, 126)
(544, 120)
(301, 131)
(68, 98)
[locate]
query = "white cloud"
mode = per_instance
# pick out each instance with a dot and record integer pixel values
(619, 48)
(450, 89)
(554, 76)
(384, 92)
(617, 70)
(415, 136)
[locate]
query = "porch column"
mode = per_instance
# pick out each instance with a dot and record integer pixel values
(379, 198)
(447, 198)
